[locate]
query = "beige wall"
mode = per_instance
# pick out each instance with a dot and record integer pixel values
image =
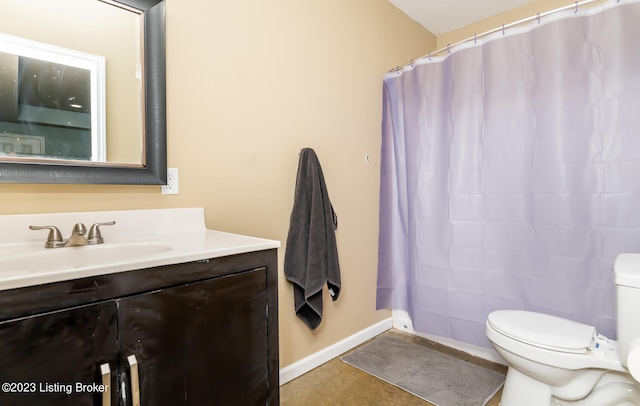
(249, 84)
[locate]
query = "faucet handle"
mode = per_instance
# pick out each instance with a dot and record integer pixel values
(95, 236)
(54, 239)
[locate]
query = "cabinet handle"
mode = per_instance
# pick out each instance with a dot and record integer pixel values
(135, 380)
(105, 371)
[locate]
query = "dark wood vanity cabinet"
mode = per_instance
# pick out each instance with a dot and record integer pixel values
(42, 357)
(202, 341)
(202, 333)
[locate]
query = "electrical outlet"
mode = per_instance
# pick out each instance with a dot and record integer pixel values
(171, 188)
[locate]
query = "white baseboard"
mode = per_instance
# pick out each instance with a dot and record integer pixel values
(481, 352)
(305, 365)
(402, 321)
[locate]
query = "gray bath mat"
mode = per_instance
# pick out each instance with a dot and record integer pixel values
(429, 374)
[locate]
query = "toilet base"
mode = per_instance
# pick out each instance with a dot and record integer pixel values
(614, 389)
(522, 390)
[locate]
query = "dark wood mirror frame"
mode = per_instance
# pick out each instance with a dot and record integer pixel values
(154, 169)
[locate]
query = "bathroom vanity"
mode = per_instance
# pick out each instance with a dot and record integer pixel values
(193, 324)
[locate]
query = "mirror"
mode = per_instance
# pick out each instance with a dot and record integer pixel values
(109, 127)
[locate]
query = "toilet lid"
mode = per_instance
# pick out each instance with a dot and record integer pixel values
(543, 330)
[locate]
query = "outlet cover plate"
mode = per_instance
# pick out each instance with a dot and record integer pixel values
(171, 188)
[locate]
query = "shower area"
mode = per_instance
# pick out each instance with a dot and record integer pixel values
(510, 173)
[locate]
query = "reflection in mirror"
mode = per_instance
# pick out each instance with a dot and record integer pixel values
(51, 102)
(129, 36)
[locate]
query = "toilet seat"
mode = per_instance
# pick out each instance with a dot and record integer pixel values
(543, 330)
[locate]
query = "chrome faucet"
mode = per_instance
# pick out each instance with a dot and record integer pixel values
(54, 239)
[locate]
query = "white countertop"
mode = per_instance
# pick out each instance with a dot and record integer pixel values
(139, 239)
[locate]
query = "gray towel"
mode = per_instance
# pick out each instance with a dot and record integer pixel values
(311, 257)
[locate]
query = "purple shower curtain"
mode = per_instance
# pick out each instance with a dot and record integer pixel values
(510, 174)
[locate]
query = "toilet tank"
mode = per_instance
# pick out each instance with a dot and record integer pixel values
(626, 272)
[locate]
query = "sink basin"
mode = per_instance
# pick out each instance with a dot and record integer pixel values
(77, 257)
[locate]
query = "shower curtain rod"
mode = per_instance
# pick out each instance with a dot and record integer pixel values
(576, 5)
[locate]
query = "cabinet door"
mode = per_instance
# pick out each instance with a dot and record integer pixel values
(203, 343)
(44, 358)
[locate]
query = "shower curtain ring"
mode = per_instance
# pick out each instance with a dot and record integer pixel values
(429, 56)
(475, 38)
(448, 48)
(502, 29)
(576, 12)
(538, 18)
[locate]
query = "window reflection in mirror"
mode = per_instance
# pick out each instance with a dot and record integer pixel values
(51, 102)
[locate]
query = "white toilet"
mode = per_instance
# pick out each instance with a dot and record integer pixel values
(555, 361)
